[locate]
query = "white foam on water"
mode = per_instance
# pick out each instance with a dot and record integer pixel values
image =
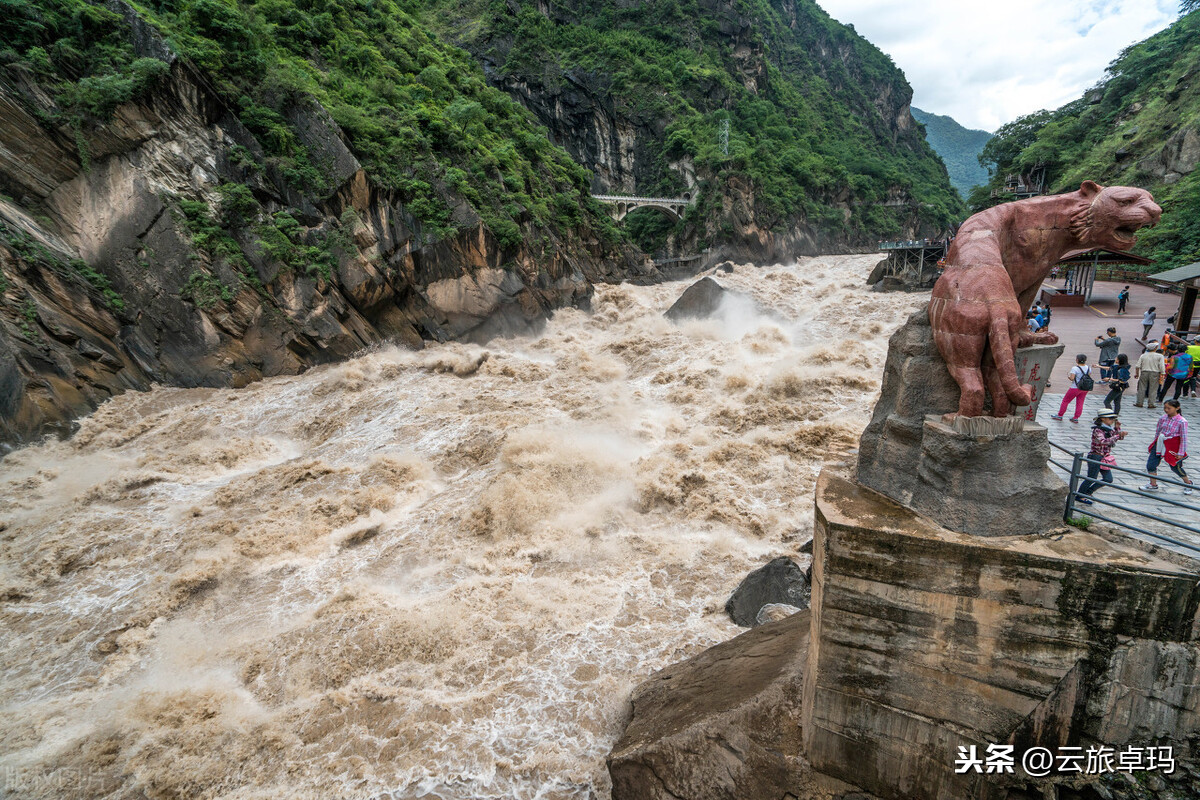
(432, 574)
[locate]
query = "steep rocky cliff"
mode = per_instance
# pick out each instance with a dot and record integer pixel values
(162, 242)
(822, 153)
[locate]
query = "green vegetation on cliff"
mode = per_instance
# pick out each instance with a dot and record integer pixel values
(820, 135)
(818, 119)
(416, 112)
(959, 147)
(1140, 126)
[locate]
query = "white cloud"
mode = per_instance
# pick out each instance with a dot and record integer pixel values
(986, 63)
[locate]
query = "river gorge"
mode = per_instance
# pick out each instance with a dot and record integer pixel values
(419, 574)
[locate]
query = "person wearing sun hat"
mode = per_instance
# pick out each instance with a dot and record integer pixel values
(1106, 431)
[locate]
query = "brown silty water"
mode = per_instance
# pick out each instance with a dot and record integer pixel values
(434, 574)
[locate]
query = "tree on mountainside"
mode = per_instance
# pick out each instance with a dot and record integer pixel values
(1188, 6)
(1127, 129)
(1006, 146)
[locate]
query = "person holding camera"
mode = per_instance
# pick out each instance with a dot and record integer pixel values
(1109, 345)
(1118, 382)
(1106, 431)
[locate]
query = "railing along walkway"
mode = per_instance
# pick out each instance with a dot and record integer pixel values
(912, 244)
(1076, 474)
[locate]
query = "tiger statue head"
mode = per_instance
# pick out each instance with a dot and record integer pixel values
(1109, 216)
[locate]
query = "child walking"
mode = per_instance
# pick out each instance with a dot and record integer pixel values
(1106, 431)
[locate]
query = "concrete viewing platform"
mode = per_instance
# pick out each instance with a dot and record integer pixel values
(1130, 453)
(1077, 329)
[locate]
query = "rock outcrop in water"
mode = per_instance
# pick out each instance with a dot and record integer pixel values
(119, 268)
(724, 724)
(701, 299)
(779, 582)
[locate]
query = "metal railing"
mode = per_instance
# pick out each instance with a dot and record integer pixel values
(912, 244)
(620, 198)
(1077, 472)
(1135, 276)
(678, 260)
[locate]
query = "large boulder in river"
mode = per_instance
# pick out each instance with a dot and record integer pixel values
(701, 299)
(781, 581)
(877, 273)
(724, 724)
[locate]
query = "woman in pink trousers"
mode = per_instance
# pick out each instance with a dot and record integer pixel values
(1080, 378)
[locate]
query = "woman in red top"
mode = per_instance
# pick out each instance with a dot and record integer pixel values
(1172, 429)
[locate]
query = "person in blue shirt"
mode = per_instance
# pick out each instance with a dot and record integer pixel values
(1118, 382)
(1179, 366)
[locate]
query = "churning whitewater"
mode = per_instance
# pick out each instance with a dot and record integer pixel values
(419, 574)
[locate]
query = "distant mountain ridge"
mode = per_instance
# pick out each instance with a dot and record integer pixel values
(959, 147)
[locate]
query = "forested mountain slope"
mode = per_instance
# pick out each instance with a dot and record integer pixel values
(202, 192)
(959, 148)
(1139, 126)
(822, 150)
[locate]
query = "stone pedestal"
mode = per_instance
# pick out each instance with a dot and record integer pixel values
(1003, 483)
(987, 485)
(925, 639)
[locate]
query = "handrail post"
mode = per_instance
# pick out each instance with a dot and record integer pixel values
(1069, 513)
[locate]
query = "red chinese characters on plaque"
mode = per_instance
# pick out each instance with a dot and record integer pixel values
(1033, 367)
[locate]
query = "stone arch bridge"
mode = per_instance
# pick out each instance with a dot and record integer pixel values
(621, 204)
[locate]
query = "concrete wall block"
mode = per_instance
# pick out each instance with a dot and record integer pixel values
(925, 639)
(1150, 691)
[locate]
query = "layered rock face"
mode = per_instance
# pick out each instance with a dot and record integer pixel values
(106, 288)
(1179, 156)
(925, 640)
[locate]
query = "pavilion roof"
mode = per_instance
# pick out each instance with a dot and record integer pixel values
(1179, 274)
(1102, 255)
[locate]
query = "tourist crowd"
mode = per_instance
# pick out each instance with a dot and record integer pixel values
(1166, 365)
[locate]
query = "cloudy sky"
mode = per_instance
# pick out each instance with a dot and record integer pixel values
(986, 62)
